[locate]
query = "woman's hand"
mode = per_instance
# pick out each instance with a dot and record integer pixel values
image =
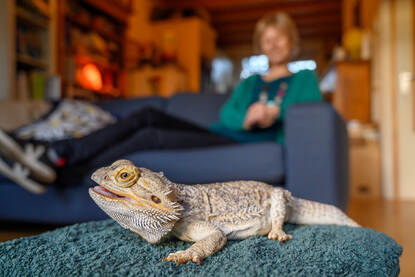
(271, 114)
(260, 114)
(254, 114)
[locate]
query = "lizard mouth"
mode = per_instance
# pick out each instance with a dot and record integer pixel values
(109, 194)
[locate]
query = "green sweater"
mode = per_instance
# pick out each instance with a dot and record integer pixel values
(302, 87)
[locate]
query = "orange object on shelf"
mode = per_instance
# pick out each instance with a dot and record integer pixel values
(89, 77)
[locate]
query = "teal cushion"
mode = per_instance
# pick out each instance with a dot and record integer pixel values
(103, 248)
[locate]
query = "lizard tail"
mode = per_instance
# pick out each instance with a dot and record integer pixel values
(309, 212)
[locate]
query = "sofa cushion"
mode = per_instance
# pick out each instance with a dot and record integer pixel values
(202, 109)
(106, 249)
(203, 165)
(56, 206)
(255, 161)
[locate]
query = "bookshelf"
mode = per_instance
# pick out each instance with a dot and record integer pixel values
(39, 48)
(32, 46)
(92, 34)
(33, 62)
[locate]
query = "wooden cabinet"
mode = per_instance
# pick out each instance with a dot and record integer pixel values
(365, 168)
(352, 92)
(352, 99)
(194, 41)
(161, 81)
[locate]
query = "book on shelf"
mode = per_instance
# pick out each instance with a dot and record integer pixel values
(22, 86)
(37, 85)
(53, 88)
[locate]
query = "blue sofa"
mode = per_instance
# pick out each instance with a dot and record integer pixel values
(313, 164)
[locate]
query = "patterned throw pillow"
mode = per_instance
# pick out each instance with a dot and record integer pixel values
(70, 119)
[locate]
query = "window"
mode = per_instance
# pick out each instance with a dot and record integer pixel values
(259, 65)
(222, 74)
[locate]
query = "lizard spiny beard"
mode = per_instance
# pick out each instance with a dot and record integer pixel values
(151, 224)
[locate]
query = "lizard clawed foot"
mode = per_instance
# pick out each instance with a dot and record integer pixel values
(279, 235)
(181, 257)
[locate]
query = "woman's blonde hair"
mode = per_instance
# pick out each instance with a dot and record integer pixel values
(281, 21)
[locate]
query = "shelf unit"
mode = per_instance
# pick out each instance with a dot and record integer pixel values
(28, 16)
(101, 31)
(31, 61)
(193, 45)
(32, 33)
(92, 32)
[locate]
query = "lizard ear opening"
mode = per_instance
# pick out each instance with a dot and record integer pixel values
(155, 199)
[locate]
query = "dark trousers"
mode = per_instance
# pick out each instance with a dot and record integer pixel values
(145, 130)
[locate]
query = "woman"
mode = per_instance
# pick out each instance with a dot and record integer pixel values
(257, 106)
(254, 112)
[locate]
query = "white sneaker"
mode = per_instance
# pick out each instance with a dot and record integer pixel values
(19, 175)
(29, 157)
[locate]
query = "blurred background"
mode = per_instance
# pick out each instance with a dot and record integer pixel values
(361, 50)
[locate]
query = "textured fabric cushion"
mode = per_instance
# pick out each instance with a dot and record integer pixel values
(202, 109)
(105, 249)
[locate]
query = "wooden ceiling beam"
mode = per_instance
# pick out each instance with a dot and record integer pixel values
(255, 14)
(221, 5)
(300, 21)
(234, 20)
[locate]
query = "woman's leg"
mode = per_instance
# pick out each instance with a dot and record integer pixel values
(144, 130)
(27, 155)
(15, 161)
(42, 158)
(74, 151)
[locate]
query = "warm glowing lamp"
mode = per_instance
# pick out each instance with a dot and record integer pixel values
(91, 77)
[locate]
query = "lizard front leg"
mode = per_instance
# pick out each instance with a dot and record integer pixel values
(278, 214)
(208, 240)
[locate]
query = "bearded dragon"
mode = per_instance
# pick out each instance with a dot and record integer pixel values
(150, 205)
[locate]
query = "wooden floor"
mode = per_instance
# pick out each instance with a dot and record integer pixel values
(395, 218)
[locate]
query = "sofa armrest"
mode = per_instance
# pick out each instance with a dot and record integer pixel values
(317, 157)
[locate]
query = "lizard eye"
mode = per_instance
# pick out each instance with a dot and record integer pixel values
(155, 199)
(127, 176)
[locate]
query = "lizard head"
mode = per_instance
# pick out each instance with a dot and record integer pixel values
(139, 199)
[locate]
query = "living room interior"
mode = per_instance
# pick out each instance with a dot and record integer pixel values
(178, 55)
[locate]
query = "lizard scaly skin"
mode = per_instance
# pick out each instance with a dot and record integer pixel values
(152, 206)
